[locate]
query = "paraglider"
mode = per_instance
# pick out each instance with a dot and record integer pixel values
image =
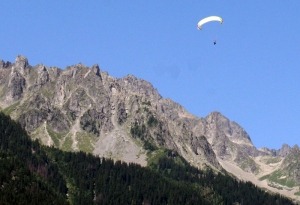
(208, 19)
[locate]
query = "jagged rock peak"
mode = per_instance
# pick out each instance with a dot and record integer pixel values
(21, 63)
(295, 150)
(218, 120)
(140, 86)
(231, 129)
(96, 69)
(268, 151)
(43, 75)
(216, 114)
(284, 150)
(4, 64)
(75, 67)
(83, 70)
(41, 68)
(217, 117)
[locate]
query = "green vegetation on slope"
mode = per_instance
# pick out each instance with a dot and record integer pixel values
(11, 108)
(56, 137)
(85, 141)
(280, 178)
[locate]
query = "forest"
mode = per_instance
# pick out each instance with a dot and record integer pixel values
(31, 173)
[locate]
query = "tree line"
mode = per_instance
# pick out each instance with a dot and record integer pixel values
(31, 173)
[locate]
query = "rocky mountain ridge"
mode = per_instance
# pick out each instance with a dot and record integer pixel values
(82, 108)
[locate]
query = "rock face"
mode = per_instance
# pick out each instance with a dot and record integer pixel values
(229, 141)
(284, 151)
(289, 170)
(82, 108)
(16, 86)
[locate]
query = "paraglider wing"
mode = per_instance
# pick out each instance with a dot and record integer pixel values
(208, 19)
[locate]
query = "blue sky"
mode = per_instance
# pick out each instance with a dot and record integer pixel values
(251, 76)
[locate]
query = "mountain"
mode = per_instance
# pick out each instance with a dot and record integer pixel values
(35, 174)
(85, 109)
(230, 141)
(288, 173)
